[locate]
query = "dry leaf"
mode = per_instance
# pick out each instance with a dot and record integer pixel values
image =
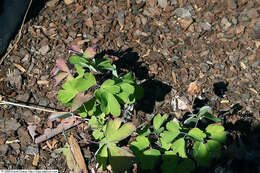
(194, 89)
(36, 159)
(77, 153)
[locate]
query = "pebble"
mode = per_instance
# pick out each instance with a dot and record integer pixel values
(162, 3)
(204, 67)
(44, 50)
(256, 31)
(182, 13)
(8, 125)
(44, 101)
(205, 26)
(23, 97)
(32, 150)
(234, 21)
(3, 149)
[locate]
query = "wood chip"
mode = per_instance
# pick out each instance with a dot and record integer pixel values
(42, 82)
(224, 101)
(77, 153)
(174, 77)
(19, 67)
(49, 145)
(36, 159)
(253, 90)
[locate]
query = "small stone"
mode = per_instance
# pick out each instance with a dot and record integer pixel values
(205, 26)
(68, 2)
(182, 13)
(23, 97)
(3, 149)
(121, 18)
(162, 3)
(234, 21)
(32, 150)
(256, 31)
(44, 49)
(225, 23)
(8, 125)
(204, 67)
(44, 101)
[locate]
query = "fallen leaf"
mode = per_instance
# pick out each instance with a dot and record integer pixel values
(60, 63)
(79, 100)
(194, 89)
(36, 159)
(32, 131)
(77, 153)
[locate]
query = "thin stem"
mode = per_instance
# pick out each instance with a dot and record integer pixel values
(25, 106)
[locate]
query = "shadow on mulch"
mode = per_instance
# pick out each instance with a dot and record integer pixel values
(154, 90)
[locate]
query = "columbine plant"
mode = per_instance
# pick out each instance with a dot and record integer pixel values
(168, 141)
(89, 98)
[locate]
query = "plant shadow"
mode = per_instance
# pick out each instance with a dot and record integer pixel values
(154, 90)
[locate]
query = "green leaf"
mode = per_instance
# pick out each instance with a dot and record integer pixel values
(102, 97)
(191, 119)
(64, 96)
(113, 104)
(124, 97)
(170, 162)
(172, 133)
(98, 134)
(179, 147)
(79, 70)
(115, 134)
(201, 154)
(211, 117)
(150, 157)
(77, 60)
(187, 165)
(109, 85)
(159, 120)
(120, 158)
(89, 107)
(125, 87)
(141, 143)
(203, 110)
(214, 148)
(102, 157)
(216, 132)
(197, 134)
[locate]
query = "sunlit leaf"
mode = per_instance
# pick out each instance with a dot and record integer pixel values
(141, 143)
(64, 96)
(216, 132)
(113, 104)
(214, 148)
(109, 85)
(125, 87)
(115, 134)
(159, 120)
(197, 134)
(179, 147)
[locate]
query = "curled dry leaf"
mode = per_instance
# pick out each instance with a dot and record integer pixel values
(90, 52)
(76, 49)
(194, 89)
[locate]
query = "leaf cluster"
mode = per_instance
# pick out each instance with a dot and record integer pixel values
(178, 147)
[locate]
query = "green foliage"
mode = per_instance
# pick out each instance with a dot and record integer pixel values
(176, 146)
(168, 142)
(109, 152)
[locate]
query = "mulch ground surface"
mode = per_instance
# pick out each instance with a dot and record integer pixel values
(215, 42)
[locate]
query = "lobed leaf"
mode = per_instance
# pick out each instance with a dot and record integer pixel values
(102, 156)
(64, 96)
(141, 143)
(200, 154)
(179, 147)
(203, 110)
(113, 104)
(216, 132)
(197, 134)
(159, 120)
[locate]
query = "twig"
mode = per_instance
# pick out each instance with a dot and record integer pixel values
(19, 34)
(25, 106)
